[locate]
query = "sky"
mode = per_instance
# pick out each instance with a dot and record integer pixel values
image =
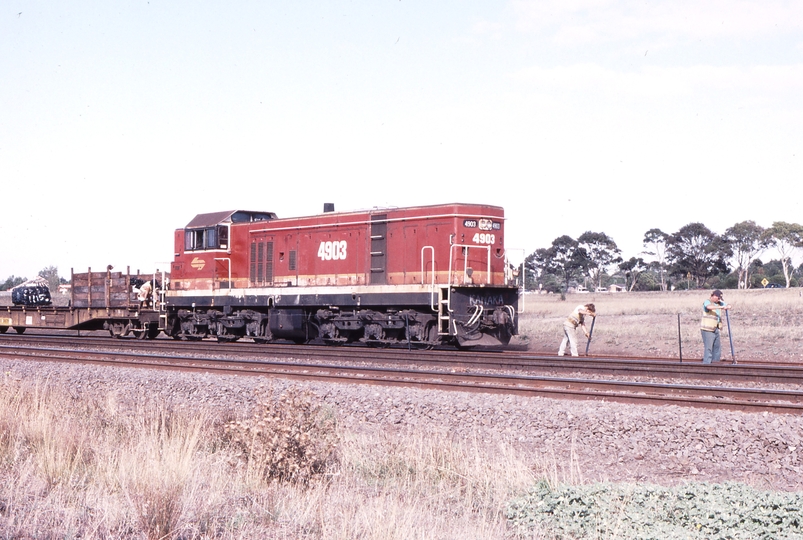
(120, 121)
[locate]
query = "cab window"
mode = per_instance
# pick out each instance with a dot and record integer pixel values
(208, 238)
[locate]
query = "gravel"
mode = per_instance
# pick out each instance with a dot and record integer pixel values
(584, 442)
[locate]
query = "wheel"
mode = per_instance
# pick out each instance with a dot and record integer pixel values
(19, 329)
(430, 338)
(118, 329)
(3, 329)
(138, 331)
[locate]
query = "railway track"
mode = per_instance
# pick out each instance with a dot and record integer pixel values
(498, 361)
(607, 379)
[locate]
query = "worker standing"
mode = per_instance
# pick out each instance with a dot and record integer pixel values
(711, 325)
(573, 321)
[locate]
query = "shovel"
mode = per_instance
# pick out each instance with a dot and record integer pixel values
(590, 333)
(730, 337)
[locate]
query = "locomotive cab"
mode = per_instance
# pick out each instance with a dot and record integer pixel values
(203, 249)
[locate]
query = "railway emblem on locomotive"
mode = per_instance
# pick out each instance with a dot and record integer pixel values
(198, 264)
(486, 225)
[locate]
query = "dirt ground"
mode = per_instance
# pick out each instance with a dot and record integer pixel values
(765, 325)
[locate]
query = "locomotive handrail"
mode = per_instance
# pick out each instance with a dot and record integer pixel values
(523, 274)
(465, 262)
(478, 309)
(162, 308)
(423, 276)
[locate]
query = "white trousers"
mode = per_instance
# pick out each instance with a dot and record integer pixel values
(570, 337)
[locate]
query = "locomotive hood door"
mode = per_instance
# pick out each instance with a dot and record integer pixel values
(379, 247)
(261, 261)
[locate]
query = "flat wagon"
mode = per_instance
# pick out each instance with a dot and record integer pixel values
(98, 301)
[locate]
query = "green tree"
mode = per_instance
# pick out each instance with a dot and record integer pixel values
(11, 282)
(655, 241)
(564, 259)
(51, 274)
(786, 238)
(601, 252)
(694, 251)
(632, 268)
(747, 241)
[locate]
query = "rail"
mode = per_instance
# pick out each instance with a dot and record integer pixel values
(491, 375)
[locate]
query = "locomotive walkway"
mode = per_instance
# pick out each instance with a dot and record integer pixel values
(750, 387)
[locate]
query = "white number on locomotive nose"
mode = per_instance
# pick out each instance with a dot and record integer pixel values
(332, 251)
(483, 238)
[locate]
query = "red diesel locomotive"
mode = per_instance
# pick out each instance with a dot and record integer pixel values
(425, 276)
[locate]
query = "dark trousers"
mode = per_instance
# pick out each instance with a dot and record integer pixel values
(712, 346)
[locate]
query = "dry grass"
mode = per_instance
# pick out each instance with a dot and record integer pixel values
(290, 438)
(83, 466)
(765, 324)
(78, 467)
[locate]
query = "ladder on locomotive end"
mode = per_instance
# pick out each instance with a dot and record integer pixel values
(443, 306)
(444, 311)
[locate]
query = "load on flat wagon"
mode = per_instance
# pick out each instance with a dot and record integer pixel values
(112, 301)
(34, 292)
(424, 275)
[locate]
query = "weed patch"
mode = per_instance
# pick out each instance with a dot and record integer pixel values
(693, 511)
(290, 438)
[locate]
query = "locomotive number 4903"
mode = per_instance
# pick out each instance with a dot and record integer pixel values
(332, 251)
(483, 238)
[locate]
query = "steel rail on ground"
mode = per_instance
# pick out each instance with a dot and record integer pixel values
(745, 399)
(745, 372)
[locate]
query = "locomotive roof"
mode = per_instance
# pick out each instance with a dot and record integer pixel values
(229, 216)
(248, 216)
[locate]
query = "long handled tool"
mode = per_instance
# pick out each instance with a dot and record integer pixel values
(730, 337)
(590, 333)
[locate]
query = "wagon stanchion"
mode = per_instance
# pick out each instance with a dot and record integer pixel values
(730, 337)
(680, 341)
(590, 334)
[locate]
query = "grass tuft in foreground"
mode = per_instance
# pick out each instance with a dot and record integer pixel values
(124, 466)
(290, 438)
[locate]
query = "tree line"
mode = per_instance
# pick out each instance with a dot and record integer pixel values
(692, 257)
(50, 273)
